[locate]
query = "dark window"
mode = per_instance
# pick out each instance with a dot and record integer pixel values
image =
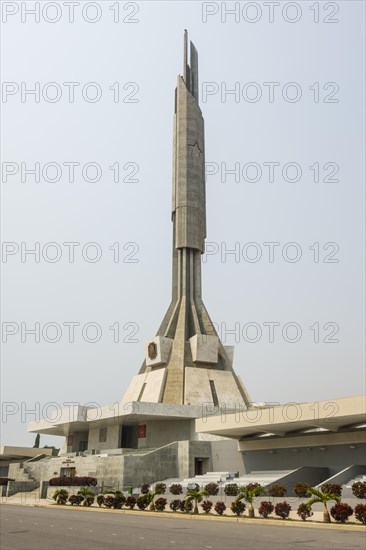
(102, 435)
(214, 394)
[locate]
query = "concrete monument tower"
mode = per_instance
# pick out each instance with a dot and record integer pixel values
(186, 363)
(187, 372)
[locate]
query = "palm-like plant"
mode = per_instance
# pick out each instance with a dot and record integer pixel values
(60, 496)
(86, 492)
(196, 497)
(249, 493)
(322, 497)
(148, 498)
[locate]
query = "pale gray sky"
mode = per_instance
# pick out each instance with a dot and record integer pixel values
(324, 130)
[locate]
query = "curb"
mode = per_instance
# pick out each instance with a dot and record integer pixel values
(243, 520)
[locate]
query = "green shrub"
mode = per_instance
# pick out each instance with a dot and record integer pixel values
(359, 489)
(231, 489)
(100, 500)
(282, 509)
(301, 489)
(119, 500)
(109, 501)
(145, 488)
(60, 496)
(332, 488)
(360, 513)
(160, 504)
(256, 486)
(220, 507)
(341, 511)
(88, 496)
(212, 488)
(130, 502)
(73, 481)
(248, 493)
(174, 505)
(238, 507)
(277, 490)
(76, 500)
(186, 507)
(206, 506)
(142, 503)
(265, 509)
(160, 488)
(304, 511)
(176, 489)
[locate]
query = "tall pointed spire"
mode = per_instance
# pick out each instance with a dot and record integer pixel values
(186, 363)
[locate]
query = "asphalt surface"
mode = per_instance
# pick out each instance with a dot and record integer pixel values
(28, 528)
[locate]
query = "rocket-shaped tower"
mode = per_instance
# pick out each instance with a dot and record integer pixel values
(186, 363)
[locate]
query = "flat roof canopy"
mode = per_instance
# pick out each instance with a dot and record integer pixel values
(77, 418)
(283, 420)
(9, 453)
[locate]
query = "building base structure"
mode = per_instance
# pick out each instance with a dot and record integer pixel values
(149, 442)
(134, 443)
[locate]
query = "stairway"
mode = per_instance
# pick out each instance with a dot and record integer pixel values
(24, 481)
(264, 477)
(347, 487)
(209, 477)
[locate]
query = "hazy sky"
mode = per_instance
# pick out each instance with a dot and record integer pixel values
(292, 134)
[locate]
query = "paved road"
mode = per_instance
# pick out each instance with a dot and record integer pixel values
(24, 528)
